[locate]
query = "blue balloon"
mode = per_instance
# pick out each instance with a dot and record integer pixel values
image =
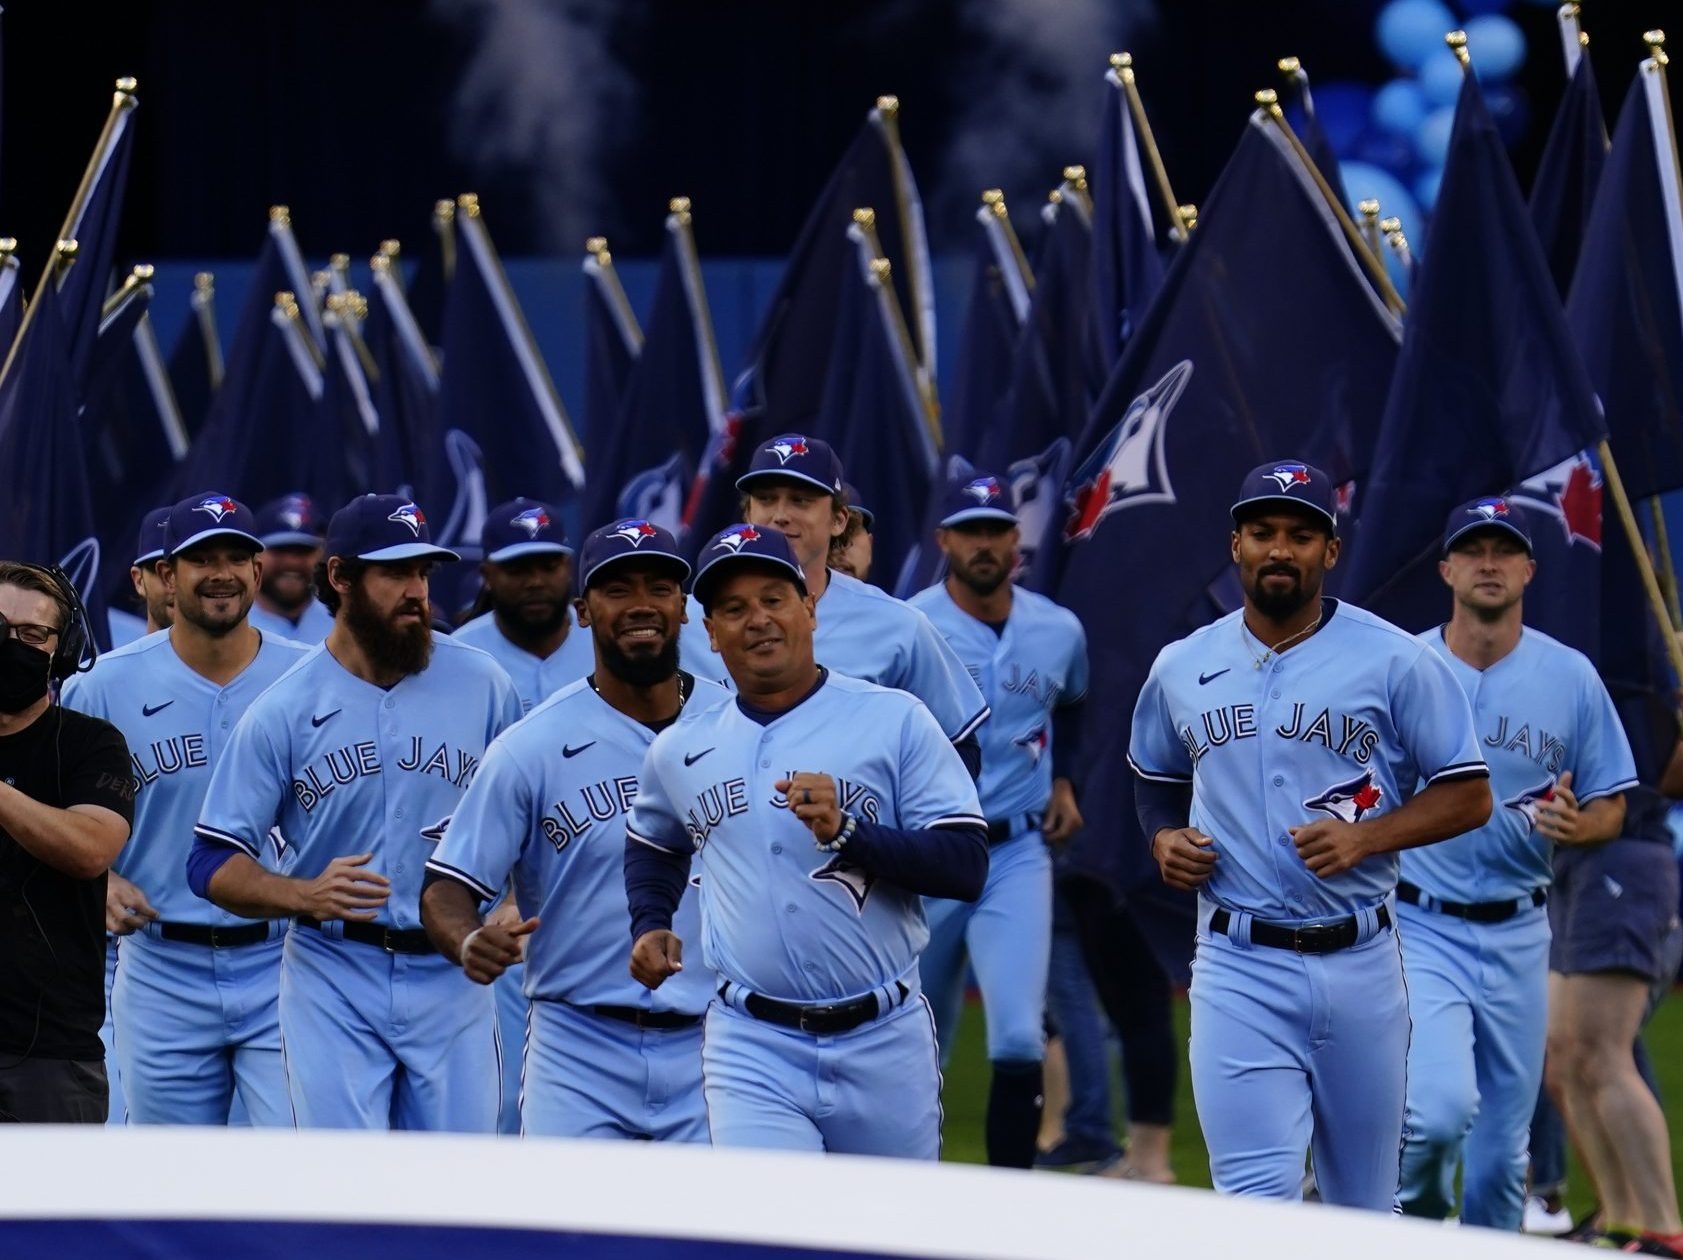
(1440, 78)
(1431, 141)
(1388, 151)
(1426, 191)
(1497, 46)
(1363, 181)
(1472, 8)
(1408, 30)
(1342, 110)
(1399, 107)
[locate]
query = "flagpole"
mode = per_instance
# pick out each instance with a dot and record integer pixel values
(443, 227)
(599, 263)
(919, 285)
(1269, 101)
(203, 303)
(1392, 228)
(866, 220)
(139, 278)
(1369, 208)
(1122, 65)
(1573, 38)
(682, 226)
(1639, 549)
(1015, 272)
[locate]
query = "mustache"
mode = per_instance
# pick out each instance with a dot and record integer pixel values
(1280, 570)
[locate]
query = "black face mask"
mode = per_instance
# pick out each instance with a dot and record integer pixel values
(23, 675)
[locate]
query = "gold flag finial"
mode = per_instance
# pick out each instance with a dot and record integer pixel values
(143, 273)
(336, 303)
(678, 205)
(1392, 224)
(204, 282)
(127, 85)
(1076, 175)
(1056, 196)
(66, 249)
(1457, 41)
(381, 263)
(1369, 206)
(444, 209)
(992, 196)
(865, 217)
(280, 214)
(356, 304)
(1189, 212)
(880, 268)
(1268, 98)
(1288, 65)
(469, 204)
(8, 246)
(595, 244)
(1656, 46)
(888, 105)
(391, 247)
(288, 303)
(1120, 61)
(339, 262)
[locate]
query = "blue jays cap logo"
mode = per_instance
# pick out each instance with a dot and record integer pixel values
(787, 448)
(1350, 800)
(411, 516)
(984, 490)
(533, 520)
(217, 506)
(1525, 804)
(736, 539)
(635, 532)
(295, 510)
(1129, 468)
(1288, 475)
(1491, 509)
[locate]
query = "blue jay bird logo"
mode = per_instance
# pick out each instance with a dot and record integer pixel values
(1350, 800)
(533, 520)
(1525, 804)
(411, 516)
(1034, 744)
(634, 532)
(1288, 475)
(736, 538)
(216, 506)
(788, 447)
(1129, 468)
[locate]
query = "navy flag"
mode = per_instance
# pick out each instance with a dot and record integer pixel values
(1300, 102)
(92, 224)
(674, 399)
(1265, 341)
(1569, 172)
(195, 361)
(612, 342)
(348, 397)
(407, 450)
(437, 267)
(1000, 289)
(1489, 389)
(1127, 268)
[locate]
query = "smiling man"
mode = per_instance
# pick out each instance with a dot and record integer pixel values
(290, 529)
(1278, 753)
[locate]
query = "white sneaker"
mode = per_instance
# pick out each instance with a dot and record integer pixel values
(1539, 1220)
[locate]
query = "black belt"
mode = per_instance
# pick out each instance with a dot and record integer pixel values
(1314, 938)
(661, 1021)
(1473, 911)
(1002, 829)
(822, 1019)
(392, 940)
(214, 937)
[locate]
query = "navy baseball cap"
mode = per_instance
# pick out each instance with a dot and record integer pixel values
(1491, 512)
(290, 521)
(627, 539)
(1286, 482)
(150, 546)
(200, 517)
(522, 527)
(867, 517)
(741, 545)
(383, 527)
(979, 498)
(799, 458)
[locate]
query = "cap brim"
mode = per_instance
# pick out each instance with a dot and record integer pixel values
(1247, 507)
(627, 556)
(157, 553)
(979, 514)
(765, 474)
(515, 550)
(867, 518)
(716, 570)
(1503, 526)
(291, 538)
(205, 535)
(409, 551)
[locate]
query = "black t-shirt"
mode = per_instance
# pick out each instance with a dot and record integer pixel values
(52, 927)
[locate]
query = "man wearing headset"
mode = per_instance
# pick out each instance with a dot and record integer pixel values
(66, 802)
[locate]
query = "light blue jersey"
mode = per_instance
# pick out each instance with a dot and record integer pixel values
(780, 917)
(1345, 725)
(312, 626)
(536, 678)
(1540, 710)
(178, 724)
(345, 767)
(125, 627)
(550, 806)
(1036, 663)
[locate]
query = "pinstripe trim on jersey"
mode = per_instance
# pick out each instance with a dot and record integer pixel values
(969, 727)
(226, 837)
(1461, 770)
(653, 844)
(961, 822)
(485, 892)
(1606, 792)
(1161, 778)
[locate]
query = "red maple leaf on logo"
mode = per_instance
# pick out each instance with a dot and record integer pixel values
(1367, 797)
(1090, 503)
(1580, 504)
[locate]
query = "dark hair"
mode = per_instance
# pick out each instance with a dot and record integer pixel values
(350, 568)
(842, 541)
(838, 498)
(30, 578)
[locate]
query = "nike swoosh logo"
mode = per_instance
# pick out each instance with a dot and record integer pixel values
(317, 721)
(691, 758)
(573, 752)
(1210, 678)
(147, 710)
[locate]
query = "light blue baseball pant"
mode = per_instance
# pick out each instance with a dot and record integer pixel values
(375, 1040)
(511, 1003)
(1007, 936)
(198, 1025)
(874, 1090)
(117, 1113)
(1300, 1052)
(1478, 998)
(589, 1076)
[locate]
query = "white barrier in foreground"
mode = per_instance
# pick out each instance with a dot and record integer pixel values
(191, 1193)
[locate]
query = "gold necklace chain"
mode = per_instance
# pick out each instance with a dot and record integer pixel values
(1257, 662)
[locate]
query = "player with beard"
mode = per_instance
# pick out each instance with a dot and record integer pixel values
(290, 528)
(367, 744)
(1285, 754)
(1029, 657)
(196, 992)
(605, 1057)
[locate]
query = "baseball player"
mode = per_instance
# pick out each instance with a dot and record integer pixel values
(196, 992)
(850, 551)
(1474, 931)
(149, 589)
(605, 1057)
(291, 529)
(1277, 752)
(794, 486)
(1030, 657)
(822, 808)
(360, 754)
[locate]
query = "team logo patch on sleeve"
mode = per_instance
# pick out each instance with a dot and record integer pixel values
(1351, 800)
(1525, 804)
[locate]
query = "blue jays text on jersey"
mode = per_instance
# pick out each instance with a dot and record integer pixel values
(1037, 662)
(778, 917)
(1344, 725)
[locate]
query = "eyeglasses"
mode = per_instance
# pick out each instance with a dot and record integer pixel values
(29, 632)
